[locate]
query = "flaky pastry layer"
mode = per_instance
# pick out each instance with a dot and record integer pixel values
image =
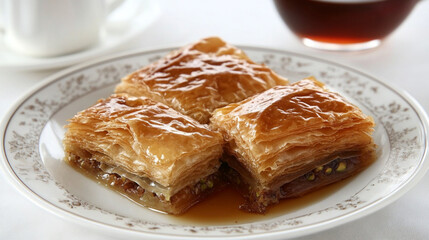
(286, 131)
(146, 139)
(201, 77)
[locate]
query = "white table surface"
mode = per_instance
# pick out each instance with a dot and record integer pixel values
(403, 61)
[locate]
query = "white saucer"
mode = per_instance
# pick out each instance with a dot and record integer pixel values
(110, 39)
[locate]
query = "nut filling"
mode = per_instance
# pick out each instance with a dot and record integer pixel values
(257, 200)
(182, 200)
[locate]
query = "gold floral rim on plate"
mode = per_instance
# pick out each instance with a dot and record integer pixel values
(32, 133)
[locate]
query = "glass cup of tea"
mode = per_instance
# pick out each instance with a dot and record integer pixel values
(343, 25)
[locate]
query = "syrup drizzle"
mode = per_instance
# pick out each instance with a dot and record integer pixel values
(222, 208)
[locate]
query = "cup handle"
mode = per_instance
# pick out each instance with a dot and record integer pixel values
(121, 12)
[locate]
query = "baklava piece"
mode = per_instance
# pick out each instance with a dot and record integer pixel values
(197, 79)
(291, 140)
(145, 150)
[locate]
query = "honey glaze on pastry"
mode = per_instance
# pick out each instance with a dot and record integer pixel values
(149, 152)
(150, 141)
(290, 140)
(201, 77)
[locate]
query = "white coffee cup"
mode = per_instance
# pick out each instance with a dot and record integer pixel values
(46, 28)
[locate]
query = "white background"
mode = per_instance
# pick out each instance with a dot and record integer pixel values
(402, 61)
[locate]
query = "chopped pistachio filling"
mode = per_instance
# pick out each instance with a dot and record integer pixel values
(341, 167)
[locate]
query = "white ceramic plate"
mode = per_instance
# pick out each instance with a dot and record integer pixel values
(118, 32)
(32, 153)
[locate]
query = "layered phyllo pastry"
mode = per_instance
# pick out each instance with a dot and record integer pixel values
(145, 150)
(291, 140)
(198, 78)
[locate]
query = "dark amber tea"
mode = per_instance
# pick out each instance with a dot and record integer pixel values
(343, 22)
